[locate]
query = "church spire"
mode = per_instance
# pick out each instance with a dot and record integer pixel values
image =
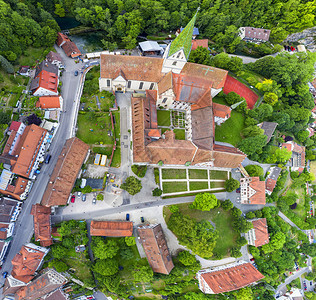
(183, 40)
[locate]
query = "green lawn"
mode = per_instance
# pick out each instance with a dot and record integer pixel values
(197, 174)
(229, 131)
(173, 173)
(93, 128)
(103, 150)
(31, 55)
(220, 100)
(198, 185)
(116, 161)
(215, 185)
(223, 223)
(106, 100)
(163, 117)
(179, 134)
(80, 265)
(216, 174)
(174, 187)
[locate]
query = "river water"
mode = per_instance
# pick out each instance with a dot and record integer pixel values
(86, 42)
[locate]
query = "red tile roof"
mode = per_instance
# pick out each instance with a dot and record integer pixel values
(42, 224)
(65, 172)
(261, 232)
(16, 188)
(155, 246)
(199, 43)
(61, 38)
(3, 230)
(26, 262)
(71, 49)
(270, 184)
(230, 279)
(111, 228)
(48, 102)
(15, 126)
(259, 186)
(221, 111)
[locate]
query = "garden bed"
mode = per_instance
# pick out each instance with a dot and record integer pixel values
(163, 118)
(197, 174)
(198, 185)
(174, 187)
(216, 174)
(173, 173)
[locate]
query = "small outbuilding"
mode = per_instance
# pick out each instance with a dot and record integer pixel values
(150, 48)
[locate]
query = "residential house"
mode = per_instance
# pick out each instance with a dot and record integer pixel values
(9, 212)
(254, 34)
(67, 169)
(221, 113)
(111, 228)
(23, 152)
(228, 278)
(45, 81)
(54, 58)
(57, 295)
(11, 286)
(150, 48)
(258, 235)
(297, 161)
(252, 191)
(14, 186)
(272, 179)
(172, 83)
(68, 46)
(269, 128)
(156, 249)
(27, 262)
(50, 102)
(17, 126)
(42, 224)
(199, 43)
(292, 294)
(43, 286)
(24, 71)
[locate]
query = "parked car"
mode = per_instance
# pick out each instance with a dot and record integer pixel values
(79, 194)
(47, 158)
(84, 197)
(73, 197)
(76, 73)
(4, 274)
(142, 219)
(127, 217)
(94, 200)
(238, 190)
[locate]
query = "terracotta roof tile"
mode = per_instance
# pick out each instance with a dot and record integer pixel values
(270, 184)
(232, 278)
(199, 43)
(26, 262)
(3, 230)
(221, 111)
(16, 188)
(165, 83)
(15, 126)
(65, 172)
(42, 224)
(134, 67)
(259, 197)
(261, 231)
(111, 228)
(52, 56)
(61, 38)
(227, 157)
(155, 246)
(47, 102)
(71, 49)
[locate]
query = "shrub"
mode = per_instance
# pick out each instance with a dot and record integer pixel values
(157, 192)
(132, 185)
(139, 171)
(231, 184)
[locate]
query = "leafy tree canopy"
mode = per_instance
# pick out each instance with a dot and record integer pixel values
(204, 201)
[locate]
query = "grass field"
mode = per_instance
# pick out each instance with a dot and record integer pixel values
(198, 185)
(174, 187)
(215, 174)
(106, 100)
(93, 128)
(197, 174)
(223, 223)
(116, 161)
(216, 185)
(229, 131)
(173, 173)
(313, 169)
(163, 117)
(103, 150)
(179, 134)
(81, 266)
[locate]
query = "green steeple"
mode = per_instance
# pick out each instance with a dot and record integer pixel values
(183, 40)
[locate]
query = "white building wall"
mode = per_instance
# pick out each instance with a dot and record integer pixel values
(162, 101)
(242, 32)
(134, 86)
(214, 92)
(174, 63)
(44, 92)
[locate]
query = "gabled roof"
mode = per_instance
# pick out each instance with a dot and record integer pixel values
(199, 43)
(259, 186)
(71, 49)
(111, 228)
(183, 40)
(3, 231)
(15, 126)
(26, 262)
(65, 172)
(42, 224)
(231, 278)
(52, 56)
(49, 281)
(221, 111)
(261, 231)
(165, 83)
(46, 102)
(134, 67)
(149, 46)
(61, 38)
(46, 66)
(155, 246)
(7, 208)
(272, 178)
(269, 128)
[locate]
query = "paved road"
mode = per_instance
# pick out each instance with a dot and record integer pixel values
(24, 226)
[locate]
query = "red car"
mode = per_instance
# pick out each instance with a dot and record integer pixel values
(73, 197)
